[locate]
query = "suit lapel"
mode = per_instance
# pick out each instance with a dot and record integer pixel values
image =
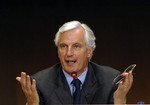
(90, 87)
(63, 92)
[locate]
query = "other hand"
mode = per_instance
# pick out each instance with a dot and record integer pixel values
(123, 88)
(29, 88)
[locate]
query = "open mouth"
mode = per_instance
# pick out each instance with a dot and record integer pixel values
(71, 61)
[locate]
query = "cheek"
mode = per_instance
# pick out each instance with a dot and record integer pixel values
(82, 55)
(60, 55)
(85, 55)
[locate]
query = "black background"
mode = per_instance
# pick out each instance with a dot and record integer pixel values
(27, 30)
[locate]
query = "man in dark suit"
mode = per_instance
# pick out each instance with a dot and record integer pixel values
(75, 42)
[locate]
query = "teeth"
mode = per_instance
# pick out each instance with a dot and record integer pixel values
(71, 61)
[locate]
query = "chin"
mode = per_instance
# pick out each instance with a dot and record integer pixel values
(71, 70)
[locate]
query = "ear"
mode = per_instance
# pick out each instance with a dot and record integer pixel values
(90, 52)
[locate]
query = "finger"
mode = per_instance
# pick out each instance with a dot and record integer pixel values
(18, 79)
(130, 77)
(125, 80)
(28, 83)
(128, 80)
(33, 86)
(23, 78)
(131, 74)
(120, 84)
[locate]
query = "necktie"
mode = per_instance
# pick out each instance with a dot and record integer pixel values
(77, 93)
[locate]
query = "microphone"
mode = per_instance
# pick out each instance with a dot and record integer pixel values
(74, 74)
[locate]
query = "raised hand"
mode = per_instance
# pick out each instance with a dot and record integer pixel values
(123, 88)
(29, 88)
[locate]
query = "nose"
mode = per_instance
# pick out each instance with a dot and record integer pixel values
(69, 52)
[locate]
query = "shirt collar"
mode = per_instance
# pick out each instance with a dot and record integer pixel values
(69, 78)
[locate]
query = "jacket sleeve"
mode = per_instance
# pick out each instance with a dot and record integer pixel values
(111, 98)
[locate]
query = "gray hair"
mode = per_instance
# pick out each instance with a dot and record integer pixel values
(89, 35)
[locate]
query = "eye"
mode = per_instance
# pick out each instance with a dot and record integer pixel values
(76, 46)
(63, 46)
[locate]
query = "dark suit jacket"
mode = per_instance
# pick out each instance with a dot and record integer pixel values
(97, 89)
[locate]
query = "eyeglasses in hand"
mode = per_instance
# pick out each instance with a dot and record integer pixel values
(120, 77)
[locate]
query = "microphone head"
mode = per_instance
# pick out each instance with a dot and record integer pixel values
(74, 74)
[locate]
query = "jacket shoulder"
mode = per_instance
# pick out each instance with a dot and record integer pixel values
(47, 74)
(105, 71)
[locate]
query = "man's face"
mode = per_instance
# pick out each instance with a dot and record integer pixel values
(72, 51)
